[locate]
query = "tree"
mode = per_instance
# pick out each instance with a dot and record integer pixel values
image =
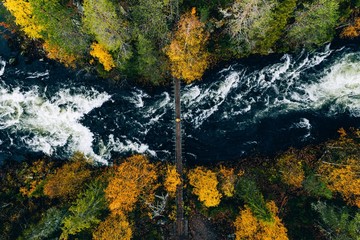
(98, 51)
(115, 227)
(133, 178)
(24, 17)
(33, 177)
(314, 186)
(337, 223)
(247, 21)
(204, 184)
(86, 210)
(57, 53)
(107, 22)
(247, 190)
(227, 180)
(343, 178)
(280, 16)
(172, 180)
(69, 38)
(314, 25)
(353, 30)
(150, 64)
(47, 228)
(249, 227)
(150, 19)
(187, 53)
(291, 168)
(68, 180)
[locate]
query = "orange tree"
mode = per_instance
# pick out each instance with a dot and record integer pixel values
(204, 184)
(187, 53)
(134, 178)
(114, 227)
(249, 227)
(68, 180)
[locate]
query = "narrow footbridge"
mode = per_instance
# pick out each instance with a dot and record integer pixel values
(181, 226)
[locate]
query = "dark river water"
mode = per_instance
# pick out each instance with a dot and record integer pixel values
(261, 105)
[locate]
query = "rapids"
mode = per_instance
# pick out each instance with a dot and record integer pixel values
(256, 105)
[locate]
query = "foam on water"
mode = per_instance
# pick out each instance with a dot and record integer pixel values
(2, 67)
(290, 85)
(239, 98)
(48, 124)
(200, 104)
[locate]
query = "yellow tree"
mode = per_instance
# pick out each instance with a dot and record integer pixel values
(204, 184)
(23, 13)
(187, 53)
(249, 227)
(33, 177)
(172, 179)
(343, 178)
(135, 177)
(68, 180)
(98, 51)
(228, 178)
(291, 168)
(114, 227)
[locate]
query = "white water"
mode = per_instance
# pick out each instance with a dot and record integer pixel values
(277, 89)
(2, 67)
(238, 98)
(50, 123)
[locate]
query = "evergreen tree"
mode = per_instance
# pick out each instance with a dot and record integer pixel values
(338, 223)
(314, 25)
(47, 228)
(86, 211)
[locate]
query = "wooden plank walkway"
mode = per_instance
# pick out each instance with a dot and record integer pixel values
(181, 231)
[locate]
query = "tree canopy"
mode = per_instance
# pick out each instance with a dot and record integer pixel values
(249, 227)
(187, 53)
(205, 184)
(133, 178)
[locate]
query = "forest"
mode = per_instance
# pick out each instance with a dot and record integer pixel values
(308, 193)
(148, 41)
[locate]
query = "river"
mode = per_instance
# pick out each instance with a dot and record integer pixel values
(256, 105)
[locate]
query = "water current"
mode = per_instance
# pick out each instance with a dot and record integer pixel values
(257, 105)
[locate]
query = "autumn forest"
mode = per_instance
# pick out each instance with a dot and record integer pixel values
(309, 192)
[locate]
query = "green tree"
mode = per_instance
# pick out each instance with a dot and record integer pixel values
(247, 21)
(51, 14)
(314, 186)
(277, 24)
(85, 212)
(151, 33)
(338, 223)
(107, 22)
(150, 64)
(247, 190)
(150, 19)
(314, 25)
(48, 227)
